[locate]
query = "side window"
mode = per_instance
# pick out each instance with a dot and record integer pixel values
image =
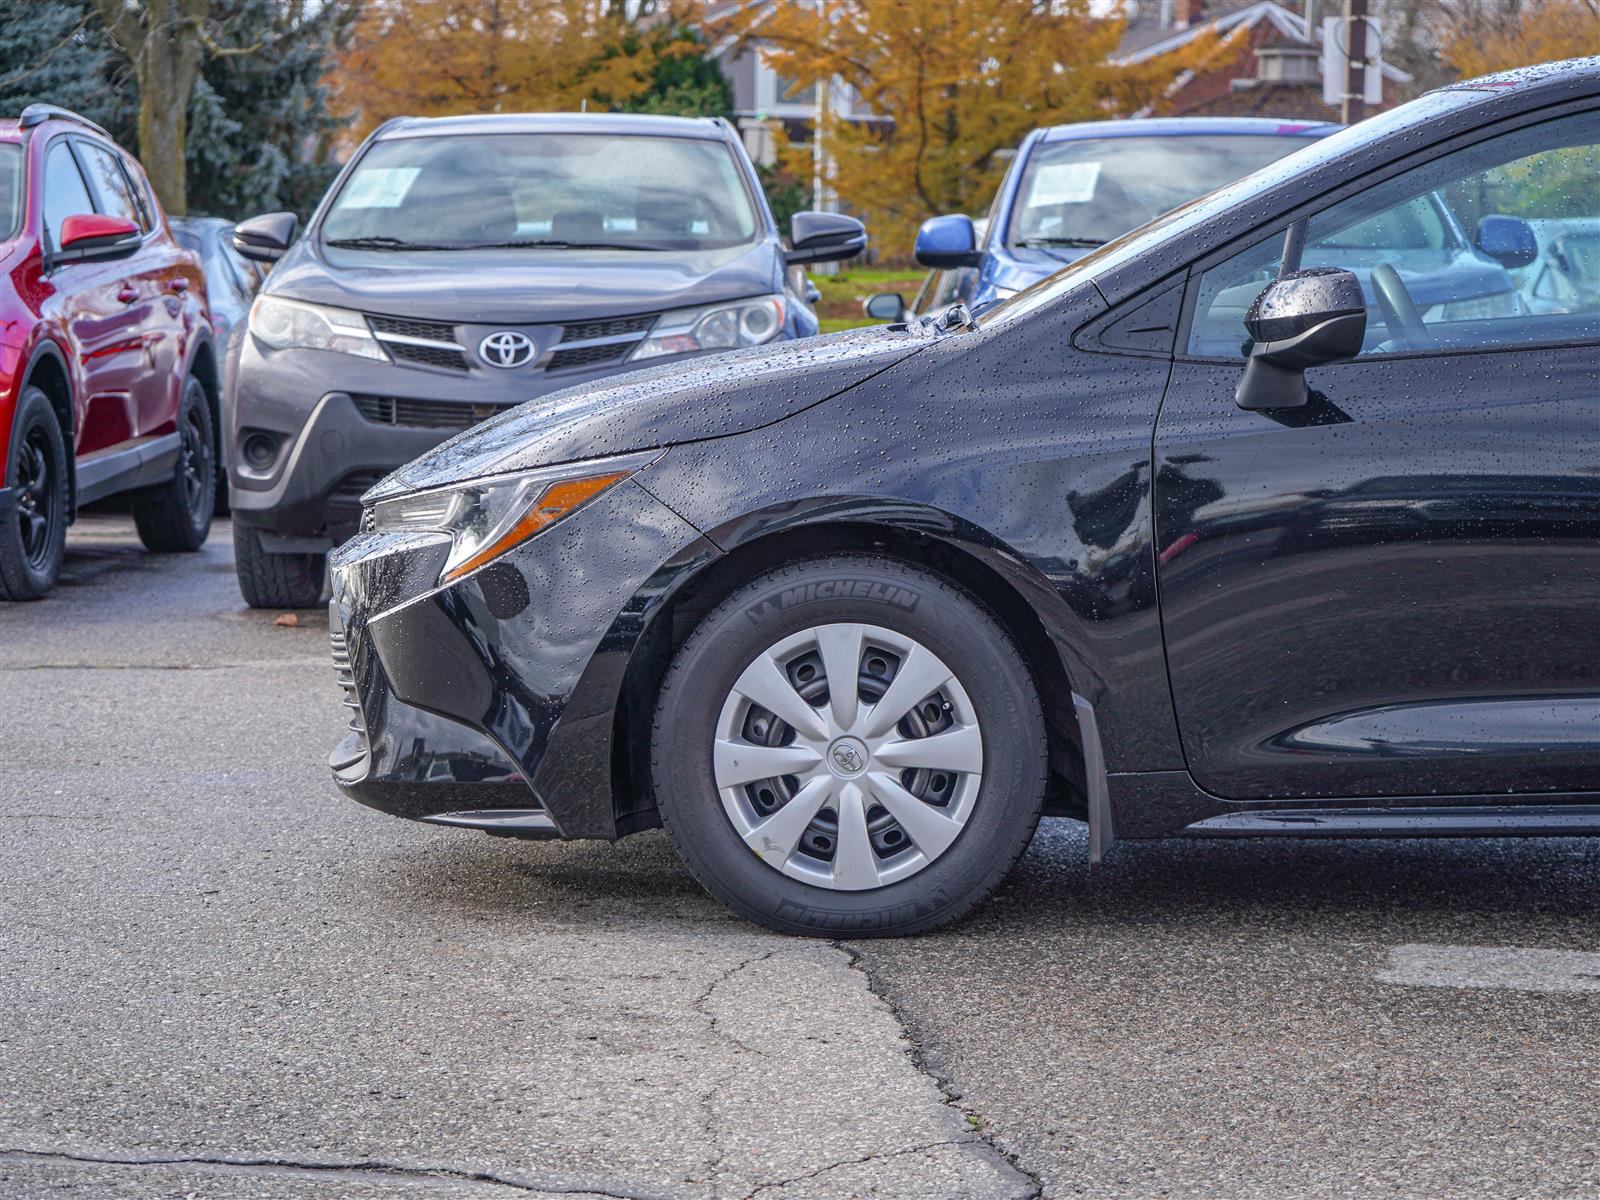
(111, 184)
(1494, 245)
(65, 194)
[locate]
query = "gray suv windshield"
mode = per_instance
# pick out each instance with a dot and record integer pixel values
(543, 190)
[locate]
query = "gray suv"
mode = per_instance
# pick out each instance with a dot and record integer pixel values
(463, 265)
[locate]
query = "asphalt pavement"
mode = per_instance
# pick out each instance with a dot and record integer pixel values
(220, 979)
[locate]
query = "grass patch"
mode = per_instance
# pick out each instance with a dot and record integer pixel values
(842, 294)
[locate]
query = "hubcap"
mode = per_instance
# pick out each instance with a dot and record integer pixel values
(848, 756)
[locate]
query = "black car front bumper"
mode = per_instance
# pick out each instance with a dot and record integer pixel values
(499, 692)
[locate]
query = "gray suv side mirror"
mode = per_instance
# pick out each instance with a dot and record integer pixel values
(824, 237)
(265, 238)
(1305, 319)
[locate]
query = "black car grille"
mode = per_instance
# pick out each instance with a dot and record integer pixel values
(582, 331)
(353, 486)
(424, 414)
(428, 356)
(588, 356)
(347, 685)
(436, 331)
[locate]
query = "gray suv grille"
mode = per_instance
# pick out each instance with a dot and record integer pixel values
(582, 331)
(437, 331)
(426, 414)
(434, 344)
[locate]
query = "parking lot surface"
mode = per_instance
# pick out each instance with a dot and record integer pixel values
(223, 980)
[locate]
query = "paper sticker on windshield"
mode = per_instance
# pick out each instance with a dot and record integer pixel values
(1064, 183)
(379, 187)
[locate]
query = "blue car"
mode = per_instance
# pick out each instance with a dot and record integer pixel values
(1072, 188)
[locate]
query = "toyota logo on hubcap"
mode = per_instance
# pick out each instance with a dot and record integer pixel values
(507, 349)
(849, 757)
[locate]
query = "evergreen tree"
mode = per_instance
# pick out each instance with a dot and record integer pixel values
(260, 125)
(685, 80)
(56, 52)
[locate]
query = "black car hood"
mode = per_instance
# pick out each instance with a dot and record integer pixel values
(522, 287)
(685, 401)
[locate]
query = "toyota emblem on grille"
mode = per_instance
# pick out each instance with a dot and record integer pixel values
(507, 349)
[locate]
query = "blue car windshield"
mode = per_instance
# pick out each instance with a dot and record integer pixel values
(543, 191)
(1085, 192)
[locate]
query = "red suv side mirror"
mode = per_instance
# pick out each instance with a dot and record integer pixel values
(92, 237)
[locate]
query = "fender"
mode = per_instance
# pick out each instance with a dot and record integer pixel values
(44, 347)
(923, 521)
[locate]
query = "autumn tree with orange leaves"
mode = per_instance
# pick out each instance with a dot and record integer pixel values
(956, 84)
(1533, 31)
(482, 56)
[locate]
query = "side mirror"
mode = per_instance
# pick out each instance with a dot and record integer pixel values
(265, 238)
(93, 238)
(1507, 240)
(885, 306)
(948, 242)
(1306, 319)
(824, 237)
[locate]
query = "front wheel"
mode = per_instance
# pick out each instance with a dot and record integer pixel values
(849, 745)
(268, 580)
(33, 538)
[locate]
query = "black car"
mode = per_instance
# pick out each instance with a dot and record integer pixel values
(463, 265)
(1188, 540)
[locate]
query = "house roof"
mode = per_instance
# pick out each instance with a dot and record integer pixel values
(1287, 25)
(1284, 101)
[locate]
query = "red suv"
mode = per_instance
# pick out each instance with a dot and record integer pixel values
(108, 379)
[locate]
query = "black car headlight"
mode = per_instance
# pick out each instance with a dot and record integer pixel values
(484, 518)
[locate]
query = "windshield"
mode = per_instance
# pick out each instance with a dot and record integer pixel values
(544, 189)
(1084, 193)
(10, 189)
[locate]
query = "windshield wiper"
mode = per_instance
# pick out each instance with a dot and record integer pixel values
(558, 244)
(381, 243)
(1080, 242)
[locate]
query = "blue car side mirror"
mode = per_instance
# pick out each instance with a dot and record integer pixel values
(1507, 240)
(948, 242)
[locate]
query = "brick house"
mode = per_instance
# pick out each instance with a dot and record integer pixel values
(1274, 70)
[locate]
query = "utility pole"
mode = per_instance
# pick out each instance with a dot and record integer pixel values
(1355, 79)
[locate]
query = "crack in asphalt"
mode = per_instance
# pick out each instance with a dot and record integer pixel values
(947, 1092)
(707, 1098)
(361, 1169)
(880, 1156)
(704, 998)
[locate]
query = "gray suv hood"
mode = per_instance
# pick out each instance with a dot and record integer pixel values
(662, 406)
(522, 287)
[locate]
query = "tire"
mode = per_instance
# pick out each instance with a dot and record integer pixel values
(960, 820)
(33, 540)
(269, 580)
(176, 516)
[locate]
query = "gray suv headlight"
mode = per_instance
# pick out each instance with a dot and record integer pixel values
(284, 324)
(714, 327)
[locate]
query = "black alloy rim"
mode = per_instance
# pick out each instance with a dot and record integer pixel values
(36, 499)
(193, 461)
